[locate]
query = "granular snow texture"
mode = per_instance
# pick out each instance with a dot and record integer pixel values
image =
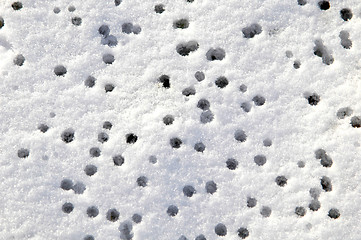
(180, 119)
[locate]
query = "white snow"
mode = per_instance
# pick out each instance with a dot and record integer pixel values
(31, 94)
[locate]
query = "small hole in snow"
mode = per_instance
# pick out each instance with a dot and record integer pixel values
(108, 58)
(112, 215)
(17, 5)
(94, 152)
(199, 76)
(324, 5)
(131, 138)
(60, 70)
(168, 119)
(220, 229)
(92, 211)
(188, 190)
(67, 135)
(76, 21)
(165, 80)
(109, 87)
(159, 8)
(142, 181)
(90, 81)
(232, 163)
(266, 211)
(118, 160)
(181, 23)
(90, 170)
(103, 137)
(175, 142)
(199, 147)
(67, 207)
(281, 181)
(172, 210)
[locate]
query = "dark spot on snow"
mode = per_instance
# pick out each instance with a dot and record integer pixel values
(137, 218)
(2, 22)
(346, 14)
(301, 164)
(107, 125)
(260, 159)
(314, 205)
(142, 181)
(258, 100)
(243, 233)
(168, 119)
(266, 211)
(112, 215)
(184, 49)
(300, 211)
(206, 117)
(108, 58)
(324, 5)
(90, 81)
(66, 184)
(203, 104)
(118, 160)
(131, 138)
(152, 159)
(109, 87)
(67, 207)
(344, 112)
(240, 135)
(297, 64)
(165, 80)
(221, 82)
(315, 193)
(104, 30)
(345, 39)
(90, 169)
(189, 190)
(76, 21)
(79, 188)
(56, 10)
(71, 8)
(215, 54)
(67, 135)
(243, 88)
(94, 152)
(19, 60)
(23, 153)
(89, 237)
(175, 142)
(251, 202)
(181, 23)
(312, 98)
(356, 121)
(60, 70)
(189, 91)
(211, 187)
(199, 76)
(220, 229)
(267, 142)
(117, 2)
(232, 163)
(252, 30)
(320, 50)
(326, 184)
(334, 213)
(103, 137)
(17, 5)
(281, 181)
(172, 210)
(199, 147)
(92, 211)
(43, 127)
(246, 106)
(159, 8)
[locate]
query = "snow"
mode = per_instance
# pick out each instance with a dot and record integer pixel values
(281, 80)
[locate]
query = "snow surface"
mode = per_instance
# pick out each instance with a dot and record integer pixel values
(277, 63)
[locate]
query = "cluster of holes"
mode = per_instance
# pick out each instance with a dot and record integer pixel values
(185, 49)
